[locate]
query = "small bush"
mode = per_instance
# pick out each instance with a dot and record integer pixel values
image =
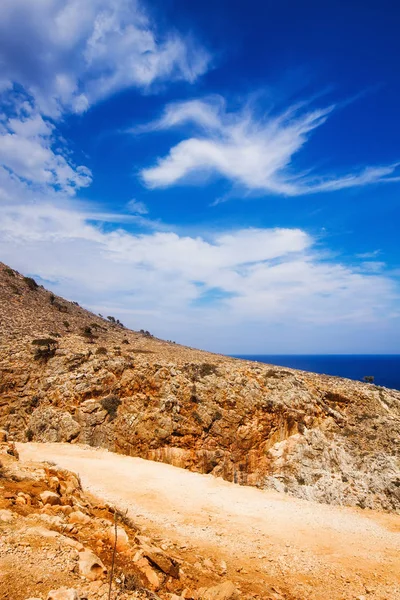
(207, 369)
(131, 581)
(52, 298)
(31, 283)
(29, 435)
(15, 290)
(9, 272)
(66, 324)
(54, 334)
(60, 307)
(125, 341)
(101, 350)
(12, 410)
(145, 333)
(110, 404)
(369, 379)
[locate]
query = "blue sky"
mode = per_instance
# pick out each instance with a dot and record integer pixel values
(224, 174)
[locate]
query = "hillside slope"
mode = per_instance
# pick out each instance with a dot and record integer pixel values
(95, 382)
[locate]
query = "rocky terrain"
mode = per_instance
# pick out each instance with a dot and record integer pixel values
(67, 375)
(57, 543)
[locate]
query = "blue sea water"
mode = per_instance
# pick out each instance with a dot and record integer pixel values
(384, 368)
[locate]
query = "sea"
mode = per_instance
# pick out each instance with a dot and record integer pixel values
(385, 369)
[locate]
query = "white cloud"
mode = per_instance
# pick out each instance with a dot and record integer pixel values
(27, 155)
(254, 153)
(232, 290)
(136, 207)
(70, 54)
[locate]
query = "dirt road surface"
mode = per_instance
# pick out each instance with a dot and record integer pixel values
(269, 541)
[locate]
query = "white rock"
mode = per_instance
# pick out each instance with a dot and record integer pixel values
(50, 498)
(90, 565)
(63, 594)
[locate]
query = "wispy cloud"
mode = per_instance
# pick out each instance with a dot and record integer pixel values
(178, 285)
(69, 54)
(137, 207)
(254, 152)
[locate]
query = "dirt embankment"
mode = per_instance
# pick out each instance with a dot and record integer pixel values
(270, 543)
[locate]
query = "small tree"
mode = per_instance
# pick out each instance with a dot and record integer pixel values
(369, 379)
(45, 348)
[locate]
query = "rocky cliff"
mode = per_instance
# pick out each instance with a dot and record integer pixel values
(68, 375)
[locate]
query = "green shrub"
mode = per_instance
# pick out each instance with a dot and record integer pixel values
(110, 404)
(125, 341)
(29, 435)
(31, 283)
(9, 272)
(52, 298)
(66, 324)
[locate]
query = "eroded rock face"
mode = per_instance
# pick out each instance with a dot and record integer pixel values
(317, 437)
(50, 425)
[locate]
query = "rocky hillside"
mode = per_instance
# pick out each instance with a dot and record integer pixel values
(68, 375)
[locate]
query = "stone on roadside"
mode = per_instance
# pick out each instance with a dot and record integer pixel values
(79, 518)
(90, 565)
(50, 498)
(63, 594)
(223, 591)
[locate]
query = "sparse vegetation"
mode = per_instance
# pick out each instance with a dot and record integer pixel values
(9, 272)
(110, 404)
(29, 435)
(101, 350)
(52, 298)
(60, 307)
(125, 341)
(46, 348)
(31, 283)
(369, 379)
(145, 333)
(55, 334)
(66, 324)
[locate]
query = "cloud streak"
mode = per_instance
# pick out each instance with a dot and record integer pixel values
(254, 153)
(69, 54)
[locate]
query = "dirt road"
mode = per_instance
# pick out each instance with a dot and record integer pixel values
(303, 549)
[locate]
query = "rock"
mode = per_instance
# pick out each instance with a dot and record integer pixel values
(6, 516)
(63, 594)
(3, 435)
(222, 568)
(224, 591)
(122, 538)
(90, 566)
(50, 498)
(166, 564)
(79, 518)
(150, 574)
(51, 425)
